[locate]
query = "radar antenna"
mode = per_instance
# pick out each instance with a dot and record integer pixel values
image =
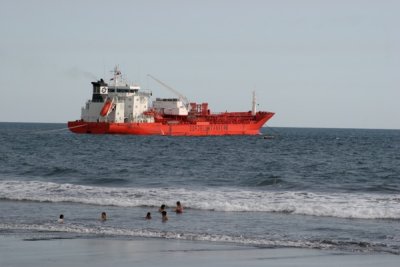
(116, 75)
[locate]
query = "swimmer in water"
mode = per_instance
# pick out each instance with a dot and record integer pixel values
(164, 216)
(61, 218)
(148, 216)
(103, 216)
(162, 208)
(179, 208)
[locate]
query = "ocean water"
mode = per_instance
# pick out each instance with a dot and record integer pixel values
(336, 189)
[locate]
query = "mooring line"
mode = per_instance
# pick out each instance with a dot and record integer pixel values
(59, 130)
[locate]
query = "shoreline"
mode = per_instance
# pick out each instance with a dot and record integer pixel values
(15, 251)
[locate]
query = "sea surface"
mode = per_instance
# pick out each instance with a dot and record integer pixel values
(335, 189)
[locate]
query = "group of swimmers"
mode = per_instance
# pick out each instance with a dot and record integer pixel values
(178, 209)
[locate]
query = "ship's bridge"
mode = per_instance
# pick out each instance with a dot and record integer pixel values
(116, 102)
(122, 90)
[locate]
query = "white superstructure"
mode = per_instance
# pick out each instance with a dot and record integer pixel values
(127, 102)
(123, 103)
(170, 106)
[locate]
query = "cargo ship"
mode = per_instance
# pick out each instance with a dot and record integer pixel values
(117, 107)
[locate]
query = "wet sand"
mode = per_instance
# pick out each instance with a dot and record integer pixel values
(161, 252)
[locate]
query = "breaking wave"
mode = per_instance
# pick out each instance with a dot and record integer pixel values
(341, 205)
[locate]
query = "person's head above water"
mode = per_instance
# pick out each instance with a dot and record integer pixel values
(162, 208)
(179, 208)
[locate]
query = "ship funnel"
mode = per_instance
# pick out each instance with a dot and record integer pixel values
(99, 89)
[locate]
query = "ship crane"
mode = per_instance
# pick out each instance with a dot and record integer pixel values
(181, 97)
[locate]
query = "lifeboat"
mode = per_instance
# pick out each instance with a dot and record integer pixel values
(106, 108)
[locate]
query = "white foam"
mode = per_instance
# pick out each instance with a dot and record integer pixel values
(343, 205)
(111, 231)
(276, 241)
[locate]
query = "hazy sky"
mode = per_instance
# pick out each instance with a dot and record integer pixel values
(314, 63)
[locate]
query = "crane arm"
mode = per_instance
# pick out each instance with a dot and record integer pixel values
(182, 97)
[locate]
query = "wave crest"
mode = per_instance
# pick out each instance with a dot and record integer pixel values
(342, 205)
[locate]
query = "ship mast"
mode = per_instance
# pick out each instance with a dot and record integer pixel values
(254, 104)
(117, 74)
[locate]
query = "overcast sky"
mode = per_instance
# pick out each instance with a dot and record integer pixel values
(314, 63)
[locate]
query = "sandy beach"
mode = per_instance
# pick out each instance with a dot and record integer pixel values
(17, 252)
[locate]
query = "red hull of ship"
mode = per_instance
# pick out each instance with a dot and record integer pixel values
(213, 126)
